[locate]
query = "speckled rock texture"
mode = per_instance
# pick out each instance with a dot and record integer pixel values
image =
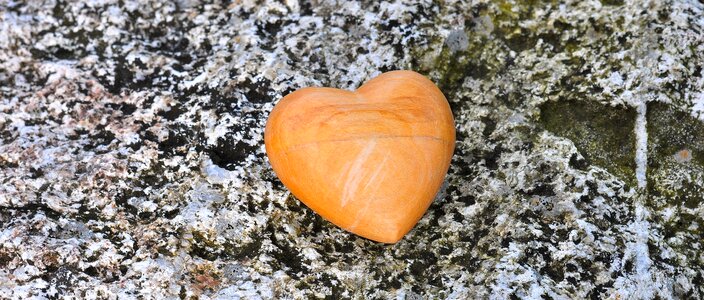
(132, 162)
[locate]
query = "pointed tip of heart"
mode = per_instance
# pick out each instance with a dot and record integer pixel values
(389, 241)
(387, 235)
(392, 237)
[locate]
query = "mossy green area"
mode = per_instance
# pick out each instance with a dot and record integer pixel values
(455, 67)
(507, 17)
(603, 135)
(676, 167)
(491, 34)
(670, 131)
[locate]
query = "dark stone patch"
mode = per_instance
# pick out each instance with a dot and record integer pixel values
(287, 256)
(175, 144)
(328, 280)
(63, 279)
(100, 137)
(542, 189)
(248, 250)
(521, 41)
(123, 77)
(203, 247)
(122, 201)
(257, 92)
(489, 126)
(603, 135)
(578, 162)
(125, 108)
(228, 153)
(490, 157)
(612, 2)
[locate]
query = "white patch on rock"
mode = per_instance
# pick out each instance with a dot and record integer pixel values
(616, 78)
(698, 106)
(641, 145)
(457, 40)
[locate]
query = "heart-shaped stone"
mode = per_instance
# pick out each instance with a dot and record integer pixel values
(370, 161)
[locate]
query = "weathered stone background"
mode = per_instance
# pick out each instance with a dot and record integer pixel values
(132, 162)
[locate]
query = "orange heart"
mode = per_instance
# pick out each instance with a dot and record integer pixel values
(369, 161)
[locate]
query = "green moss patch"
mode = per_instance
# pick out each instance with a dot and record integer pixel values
(670, 131)
(676, 165)
(603, 135)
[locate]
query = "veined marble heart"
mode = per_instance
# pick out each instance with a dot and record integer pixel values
(370, 161)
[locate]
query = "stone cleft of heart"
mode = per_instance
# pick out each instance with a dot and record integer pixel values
(370, 161)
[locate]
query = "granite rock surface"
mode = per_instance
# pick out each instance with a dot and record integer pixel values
(132, 162)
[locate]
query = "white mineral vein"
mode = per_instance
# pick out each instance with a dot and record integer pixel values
(641, 133)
